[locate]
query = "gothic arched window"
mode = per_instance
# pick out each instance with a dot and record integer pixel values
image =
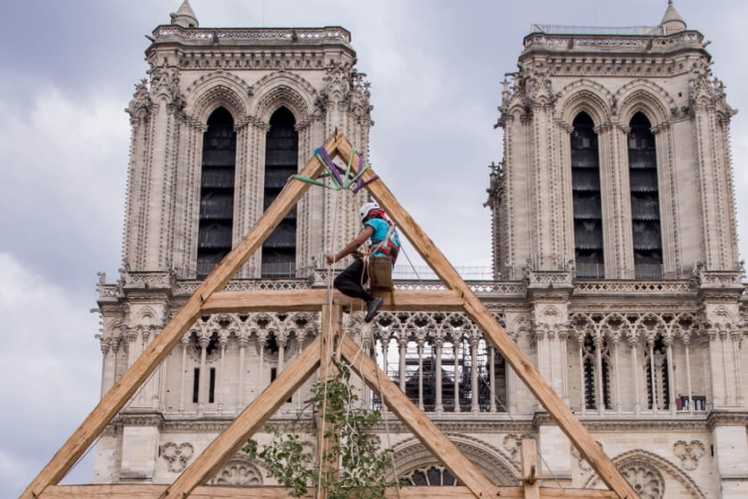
(216, 192)
(281, 161)
(585, 185)
(645, 203)
(432, 476)
(596, 381)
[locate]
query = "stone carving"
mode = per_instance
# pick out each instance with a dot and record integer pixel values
(689, 453)
(582, 462)
(646, 481)
(177, 455)
(410, 457)
(512, 443)
(238, 472)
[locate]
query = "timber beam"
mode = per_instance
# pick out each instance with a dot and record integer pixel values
(312, 300)
(216, 492)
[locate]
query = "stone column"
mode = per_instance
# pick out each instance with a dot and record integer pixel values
(438, 345)
(402, 342)
(616, 200)
(474, 388)
(730, 451)
(243, 342)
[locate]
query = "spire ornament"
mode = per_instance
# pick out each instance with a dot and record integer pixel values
(185, 16)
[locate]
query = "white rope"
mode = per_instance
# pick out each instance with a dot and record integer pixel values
(327, 360)
(402, 250)
(387, 427)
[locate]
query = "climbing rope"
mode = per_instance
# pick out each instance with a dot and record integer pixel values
(343, 180)
(387, 425)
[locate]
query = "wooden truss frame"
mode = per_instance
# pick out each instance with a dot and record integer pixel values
(209, 298)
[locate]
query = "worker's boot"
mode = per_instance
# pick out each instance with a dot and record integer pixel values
(372, 307)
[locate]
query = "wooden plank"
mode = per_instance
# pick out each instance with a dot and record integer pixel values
(493, 331)
(117, 396)
(256, 414)
(332, 327)
(529, 462)
(380, 272)
(215, 492)
(422, 427)
(301, 300)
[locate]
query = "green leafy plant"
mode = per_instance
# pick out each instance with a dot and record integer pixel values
(360, 463)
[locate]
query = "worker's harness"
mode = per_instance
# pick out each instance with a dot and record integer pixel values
(387, 245)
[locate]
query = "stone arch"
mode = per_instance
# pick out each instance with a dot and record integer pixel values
(721, 318)
(585, 96)
(301, 325)
(224, 325)
(616, 325)
(520, 326)
(646, 97)
(419, 323)
(147, 316)
(218, 89)
(455, 326)
(499, 468)
(551, 315)
(239, 471)
(638, 463)
(387, 326)
(650, 324)
(283, 89)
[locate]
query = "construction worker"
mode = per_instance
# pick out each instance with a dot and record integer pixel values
(384, 241)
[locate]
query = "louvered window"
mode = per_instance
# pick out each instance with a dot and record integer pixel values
(645, 205)
(588, 219)
(216, 192)
(281, 161)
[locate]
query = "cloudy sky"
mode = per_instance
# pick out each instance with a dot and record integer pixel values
(68, 72)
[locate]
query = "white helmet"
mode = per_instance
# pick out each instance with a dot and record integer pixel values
(366, 208)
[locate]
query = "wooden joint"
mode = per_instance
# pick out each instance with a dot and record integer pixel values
(531, 475)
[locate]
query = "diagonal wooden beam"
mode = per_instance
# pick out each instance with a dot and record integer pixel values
(411, 416)
(117, 396)
(496, 334)
(247, 423)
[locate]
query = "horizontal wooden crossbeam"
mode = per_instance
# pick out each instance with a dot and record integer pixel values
(312, 300)
(213, 492)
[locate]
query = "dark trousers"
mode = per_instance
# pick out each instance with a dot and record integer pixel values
(350, 281)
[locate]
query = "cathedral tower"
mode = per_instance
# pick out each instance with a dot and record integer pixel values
(223, 120)
(615, 204)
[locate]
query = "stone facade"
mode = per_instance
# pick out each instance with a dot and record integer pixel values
(652, 365)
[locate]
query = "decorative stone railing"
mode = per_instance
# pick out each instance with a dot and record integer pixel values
(254, 35)
(504, 288)
(634, 287)
(612, 42)
(189, 287)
